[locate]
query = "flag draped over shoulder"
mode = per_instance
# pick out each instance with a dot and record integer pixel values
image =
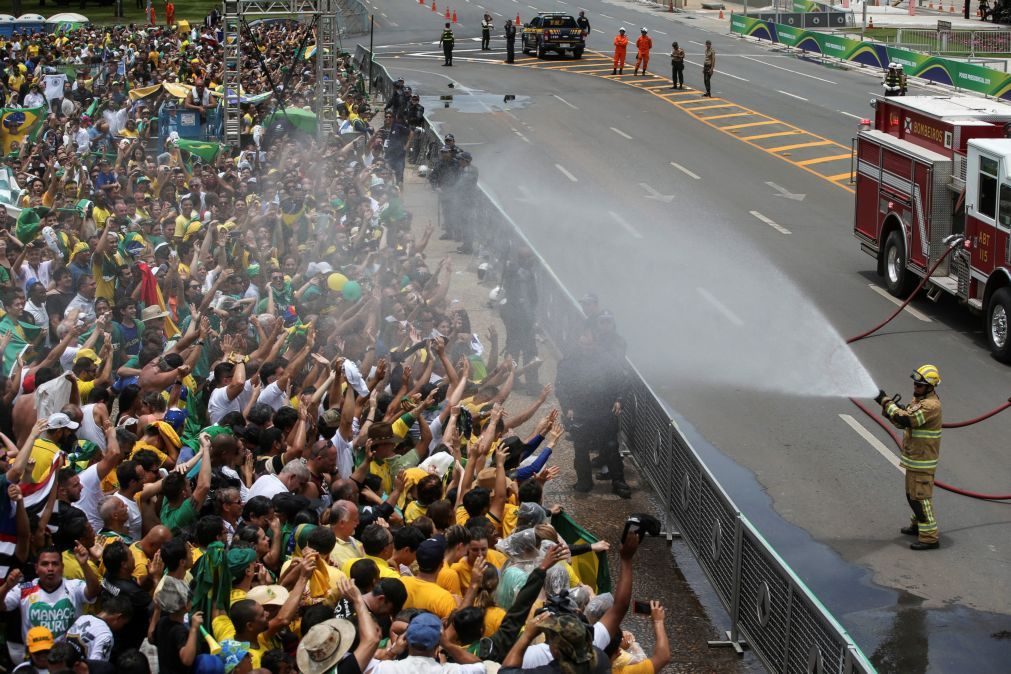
(591, 568)
(205, 149)
(20, 124)
(150, 295)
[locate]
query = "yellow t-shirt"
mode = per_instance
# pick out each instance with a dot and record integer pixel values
(100, 215)
(222, 628)
(463, 568)
(413, 511)
(72, 569)
(449, 580)
(44, 452)
(493, 616)
(643, 667)
(510, 514)
(350, 549)
(428, 596)
(84, 389)
(385, 570)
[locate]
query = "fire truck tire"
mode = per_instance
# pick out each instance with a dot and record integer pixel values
(897, 277)
(998, 325)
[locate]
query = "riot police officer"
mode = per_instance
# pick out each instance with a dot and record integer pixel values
(510, 36)
(442, 178)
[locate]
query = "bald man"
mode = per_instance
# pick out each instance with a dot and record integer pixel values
(144, 553)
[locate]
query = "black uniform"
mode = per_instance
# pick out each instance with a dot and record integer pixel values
(466, 206)
(589, 381)
(395, 148)
(486, 25)
(447, 41)
(584, 24)
(443, 178)
(510, 36)
(415, 116)
(519, 313)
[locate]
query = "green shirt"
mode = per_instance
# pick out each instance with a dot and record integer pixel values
(177, 518)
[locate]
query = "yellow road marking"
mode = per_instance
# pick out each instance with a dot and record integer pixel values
(710, 107)
(822, 160)
(746, 125)
(730, 114)
(690, 107)
(770, 135)
(784, 148)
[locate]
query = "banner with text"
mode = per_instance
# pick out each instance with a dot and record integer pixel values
(963, 75)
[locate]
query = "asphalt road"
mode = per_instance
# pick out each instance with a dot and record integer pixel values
(733, 298)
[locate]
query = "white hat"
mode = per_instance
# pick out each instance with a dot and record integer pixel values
(323, 645)
(621, 30)
(61, 420)
(643, 30)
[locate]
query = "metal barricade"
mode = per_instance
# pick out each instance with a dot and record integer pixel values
(770, 608)
(952, 42)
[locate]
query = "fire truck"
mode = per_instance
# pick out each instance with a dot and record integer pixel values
(933, 173)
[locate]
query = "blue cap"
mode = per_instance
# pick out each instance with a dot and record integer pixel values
(424, 631)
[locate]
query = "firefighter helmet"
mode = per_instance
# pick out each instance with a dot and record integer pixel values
(926, 375)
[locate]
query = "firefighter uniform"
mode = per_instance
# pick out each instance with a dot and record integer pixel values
(620, 49)
(921, 448)
(642, 47)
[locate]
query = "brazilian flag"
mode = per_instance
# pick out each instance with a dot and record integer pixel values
(205, 149)
(18, 125)
(591, 568)
(22, 334)
(29, 223)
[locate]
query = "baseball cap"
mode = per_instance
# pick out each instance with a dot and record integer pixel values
(430, 553)
(424, 631)
(39, 639)
(88, 353)
(61, 420)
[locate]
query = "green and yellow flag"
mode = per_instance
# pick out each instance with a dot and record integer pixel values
(20, 124)
(591, 568)
(205, 149)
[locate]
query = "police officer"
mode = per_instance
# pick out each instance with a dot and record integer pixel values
(708, 66)
(921, 448)
(510, 36)
(893, 81)
(584, 24)
(519, 313)
(415, 116)
(677, 66)
(486, 25)
(442, 178)
(465, 195)
(589, 384)
(447, 41)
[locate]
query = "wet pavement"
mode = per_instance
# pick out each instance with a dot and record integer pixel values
(694, 615)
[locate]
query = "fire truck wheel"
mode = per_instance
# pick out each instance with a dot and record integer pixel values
(998, 322)
(897, 277)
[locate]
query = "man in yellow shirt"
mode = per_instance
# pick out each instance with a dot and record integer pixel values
(47, 447)
(378, 545)
(343, 521)
(479, 546)
(423, 591)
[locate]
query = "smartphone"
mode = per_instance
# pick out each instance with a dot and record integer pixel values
(641, 607)
(631, 525)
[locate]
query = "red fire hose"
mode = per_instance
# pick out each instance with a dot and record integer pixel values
(956, 424)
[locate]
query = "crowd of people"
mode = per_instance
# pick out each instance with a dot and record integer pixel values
(245, 427)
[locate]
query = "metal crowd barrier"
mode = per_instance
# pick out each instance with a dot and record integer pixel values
(771, 610)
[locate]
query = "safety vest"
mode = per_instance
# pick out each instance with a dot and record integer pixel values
(921, 442)
(447, 37)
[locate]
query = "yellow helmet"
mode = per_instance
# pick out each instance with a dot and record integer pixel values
(926, 375)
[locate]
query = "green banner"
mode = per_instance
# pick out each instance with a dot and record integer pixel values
(962, 75)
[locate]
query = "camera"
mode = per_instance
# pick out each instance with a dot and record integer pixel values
(641, 524)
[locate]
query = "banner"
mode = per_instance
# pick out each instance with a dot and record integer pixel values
(206, 150)
(19, 124)
(962, 75)
(10, 193)
(54, 86)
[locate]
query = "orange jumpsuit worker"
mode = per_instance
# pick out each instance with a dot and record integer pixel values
(620, 46)
(642, 45)
(170, 13)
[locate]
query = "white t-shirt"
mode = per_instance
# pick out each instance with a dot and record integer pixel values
(41, 274)
(273, 396)
(91, 496)
(538, 655)
(218, 405)
(134, 523)
(93, 636)
(56, 610)
(345, 457)
(267, 485)
(417, 664)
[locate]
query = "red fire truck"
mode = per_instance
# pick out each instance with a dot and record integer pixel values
(932, 173)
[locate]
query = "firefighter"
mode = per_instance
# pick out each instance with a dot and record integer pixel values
(903, 82)
(642, 47)
(893, 81)
(921, 447)
(447, 41)
(620, 47)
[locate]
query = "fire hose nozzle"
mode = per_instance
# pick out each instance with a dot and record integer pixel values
(954, 240)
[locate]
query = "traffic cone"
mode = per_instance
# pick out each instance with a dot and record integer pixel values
(447, 13)
(518, 19)
(721, 13)
(870, 22)
(433, 6)
(951, 9)
(454, 16)
(421, 2)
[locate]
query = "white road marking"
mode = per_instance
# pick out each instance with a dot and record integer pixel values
(597, 30)
(607, 17)
(775, 225)
(621, 133)
(787, 93)
(688, 173)
(701, 44)
(719, 72)
(565, 101)
(871, 440)
(520, 134)
(565, 172)
(383, 14)
(659, 32)
(849, 114)
(915, 313)
(625, 224)
(795, 72)
(721, 307)
(532, 7)
(497, 14)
